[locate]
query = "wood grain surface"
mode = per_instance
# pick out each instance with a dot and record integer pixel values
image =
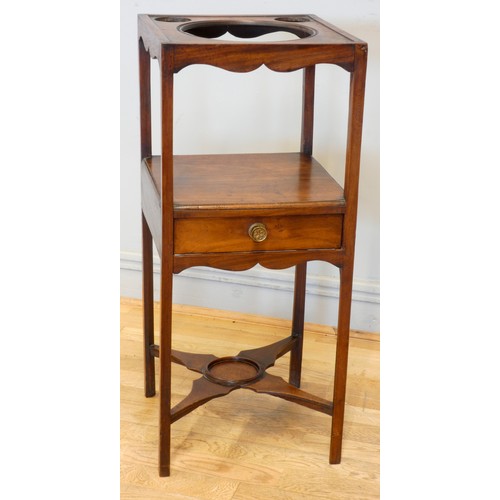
(230, 234)
(291, 182)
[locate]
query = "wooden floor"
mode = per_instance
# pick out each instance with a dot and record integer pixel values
(247, 445)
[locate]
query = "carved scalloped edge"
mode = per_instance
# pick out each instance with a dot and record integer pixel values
(151, 46)
(278, 67)
(243, 262)
(283, 65)
(151, 36)
(154, 47)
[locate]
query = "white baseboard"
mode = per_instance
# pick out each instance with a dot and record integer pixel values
(259, 291)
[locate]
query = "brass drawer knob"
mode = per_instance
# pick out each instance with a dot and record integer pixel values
(257, 232)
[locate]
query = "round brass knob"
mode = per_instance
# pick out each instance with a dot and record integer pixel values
(257, 232)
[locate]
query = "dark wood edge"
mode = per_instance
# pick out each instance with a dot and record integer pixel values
(270, 210)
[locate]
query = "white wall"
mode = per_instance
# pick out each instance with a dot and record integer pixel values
(221, 112)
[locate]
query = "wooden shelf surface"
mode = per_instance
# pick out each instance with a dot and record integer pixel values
(232, 184)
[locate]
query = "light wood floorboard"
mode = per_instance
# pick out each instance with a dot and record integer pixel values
(247, 445)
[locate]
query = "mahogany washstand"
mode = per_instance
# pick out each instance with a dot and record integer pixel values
(234, 211)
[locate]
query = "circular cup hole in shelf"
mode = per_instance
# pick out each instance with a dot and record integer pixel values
(173, 19)
(232, 370)
(247, 31)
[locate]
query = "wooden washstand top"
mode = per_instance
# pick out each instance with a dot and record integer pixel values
(316, 41)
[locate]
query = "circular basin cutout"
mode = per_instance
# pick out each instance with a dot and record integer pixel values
(245, 30)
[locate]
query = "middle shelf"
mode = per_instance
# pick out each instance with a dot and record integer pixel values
(227, 185)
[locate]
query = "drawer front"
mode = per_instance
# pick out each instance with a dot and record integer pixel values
(245, 234)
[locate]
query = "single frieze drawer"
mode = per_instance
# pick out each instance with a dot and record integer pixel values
(247, 234)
